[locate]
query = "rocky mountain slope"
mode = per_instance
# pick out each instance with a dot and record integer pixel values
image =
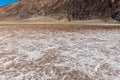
(72, 9)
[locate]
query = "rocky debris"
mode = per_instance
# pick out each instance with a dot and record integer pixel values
(72, 9)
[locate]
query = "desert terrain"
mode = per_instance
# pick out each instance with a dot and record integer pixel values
(59, 52)
(60, 40)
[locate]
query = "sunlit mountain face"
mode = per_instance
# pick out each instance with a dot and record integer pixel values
(7, 2)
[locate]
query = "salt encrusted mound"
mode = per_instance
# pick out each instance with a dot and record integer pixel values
(72, 9)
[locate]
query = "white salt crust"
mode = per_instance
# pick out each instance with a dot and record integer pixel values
(43, 54)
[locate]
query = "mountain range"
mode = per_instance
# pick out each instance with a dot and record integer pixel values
(71, 9)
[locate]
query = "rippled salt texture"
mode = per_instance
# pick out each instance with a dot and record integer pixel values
(29, 54)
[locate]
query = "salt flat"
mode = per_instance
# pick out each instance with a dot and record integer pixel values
(59, 52)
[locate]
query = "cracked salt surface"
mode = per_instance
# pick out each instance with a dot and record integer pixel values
(41, 54)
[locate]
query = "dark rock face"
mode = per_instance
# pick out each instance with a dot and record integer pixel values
(87, 9)
(116, 16)
(72, 9)
(90, 9)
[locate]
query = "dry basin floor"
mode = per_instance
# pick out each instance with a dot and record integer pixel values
(59, 52)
